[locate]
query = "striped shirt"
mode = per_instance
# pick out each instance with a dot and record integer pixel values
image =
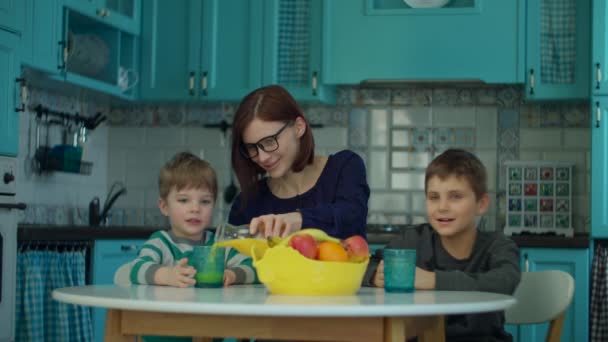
(164, 248)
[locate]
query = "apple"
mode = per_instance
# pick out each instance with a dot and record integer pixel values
(357, 248)
(305, 244)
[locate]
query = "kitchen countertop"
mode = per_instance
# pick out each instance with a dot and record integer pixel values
(374, 236)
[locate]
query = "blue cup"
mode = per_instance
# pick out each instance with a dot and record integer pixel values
(399, 270)
(209, 262)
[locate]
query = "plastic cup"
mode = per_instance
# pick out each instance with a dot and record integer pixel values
(399, 270)
(209, 264)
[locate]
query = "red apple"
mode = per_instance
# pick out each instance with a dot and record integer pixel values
(305, 244)
(357, 248)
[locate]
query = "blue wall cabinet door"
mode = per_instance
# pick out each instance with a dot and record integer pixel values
(9, 96)
(599, 60)
(387, 40)
(123, 14)
(170, 51)
(231, 49)
(42, 35)
(293, 49)
(574, 261)
(108, 256)
(599, 167)
(557, 51)
(11, 15)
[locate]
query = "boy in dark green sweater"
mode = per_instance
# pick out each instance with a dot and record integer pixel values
(451, 254)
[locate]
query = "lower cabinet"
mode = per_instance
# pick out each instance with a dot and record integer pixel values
(577, 263)
(108, 256)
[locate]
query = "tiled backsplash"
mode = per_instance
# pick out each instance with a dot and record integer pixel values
(396, 130)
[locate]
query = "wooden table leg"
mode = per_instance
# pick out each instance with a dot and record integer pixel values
(113, 332)
(435, 330)
(394, 329)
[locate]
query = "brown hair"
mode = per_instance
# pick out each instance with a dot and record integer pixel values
(185, 170)
(270, 103)
(459, 163)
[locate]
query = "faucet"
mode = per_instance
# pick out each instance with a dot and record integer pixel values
(95, 217)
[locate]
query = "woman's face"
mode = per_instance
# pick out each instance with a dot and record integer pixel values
(277, 163)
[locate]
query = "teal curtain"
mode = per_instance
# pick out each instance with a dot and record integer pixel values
(39, 318)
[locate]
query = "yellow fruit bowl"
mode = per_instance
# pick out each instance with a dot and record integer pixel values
(284, 271)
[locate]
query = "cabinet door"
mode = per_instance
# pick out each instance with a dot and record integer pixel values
(293, 49)
(599, 60)
(40, 39)
(11, 15)
(575, 262)
(108, 256)
(123, 14)
(557, 54)
(386, 40)
(9, 117)
(170, 55)
(231, 49)
(599, 167)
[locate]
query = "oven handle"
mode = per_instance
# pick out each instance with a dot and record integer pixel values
(20, 206)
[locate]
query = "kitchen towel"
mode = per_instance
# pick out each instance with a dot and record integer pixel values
(39, 318)
(599, 295)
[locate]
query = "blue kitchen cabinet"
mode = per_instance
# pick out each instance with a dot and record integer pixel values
(11, 15)
(201, 50)
(108, 256)
(9, 94)
(386, 40)
(293, 49)
(42, 35)
(599, 167)
(577, 263)
(599, 41)
(123, 14)
(557, 51)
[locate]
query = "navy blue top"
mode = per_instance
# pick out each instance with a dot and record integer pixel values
(337, 203)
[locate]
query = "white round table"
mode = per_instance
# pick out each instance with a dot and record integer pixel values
(250, 311)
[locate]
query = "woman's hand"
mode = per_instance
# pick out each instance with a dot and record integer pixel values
(180, 275)
(276, 225)
(229, 277)
(378, 280)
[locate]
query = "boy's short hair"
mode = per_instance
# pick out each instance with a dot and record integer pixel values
(185, 170)
(459, 163)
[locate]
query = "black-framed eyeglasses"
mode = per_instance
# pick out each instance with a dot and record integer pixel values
(266, 144)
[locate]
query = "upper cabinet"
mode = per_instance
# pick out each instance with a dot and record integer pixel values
(201, 50)
(599, 59)
(11, 15)
(123, 14)
(41, 48)
(557, 51)
(9, 94)
(599, 167)
(293, 55)
(387, 40)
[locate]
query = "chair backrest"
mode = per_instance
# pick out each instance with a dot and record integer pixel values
(542, 296)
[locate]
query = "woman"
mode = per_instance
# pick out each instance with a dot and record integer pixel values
(285, 187)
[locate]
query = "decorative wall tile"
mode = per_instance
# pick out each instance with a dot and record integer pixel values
(550, 116)
(376, 96)
(357, 127)
(509, 97)
(530, 115)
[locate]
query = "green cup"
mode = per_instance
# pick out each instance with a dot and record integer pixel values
(209, 262)
(399, 270)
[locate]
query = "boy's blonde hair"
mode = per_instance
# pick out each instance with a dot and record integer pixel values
(459, 163)
(185, 170)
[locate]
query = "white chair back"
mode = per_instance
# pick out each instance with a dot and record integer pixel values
(542, 296)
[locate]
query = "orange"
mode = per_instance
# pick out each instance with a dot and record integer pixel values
(331, 251)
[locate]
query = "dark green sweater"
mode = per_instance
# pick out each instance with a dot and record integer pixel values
(492, 267)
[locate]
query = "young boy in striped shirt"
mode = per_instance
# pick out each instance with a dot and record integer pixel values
(188, 192)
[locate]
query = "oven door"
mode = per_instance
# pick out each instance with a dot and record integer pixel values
(8, 260)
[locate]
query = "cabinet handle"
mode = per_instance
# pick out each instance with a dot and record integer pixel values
(598, 75)
(204, 83)
(191, 83)
(532, 81)
(128, 248)
(100, 12)
(314, 83)
(23, 95)
(106, 13)
(526, 263)
(598, 114)
(63, 55)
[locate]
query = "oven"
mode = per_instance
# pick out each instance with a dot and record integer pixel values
(8, 246)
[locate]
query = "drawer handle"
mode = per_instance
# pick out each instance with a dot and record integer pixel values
(127, 248)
